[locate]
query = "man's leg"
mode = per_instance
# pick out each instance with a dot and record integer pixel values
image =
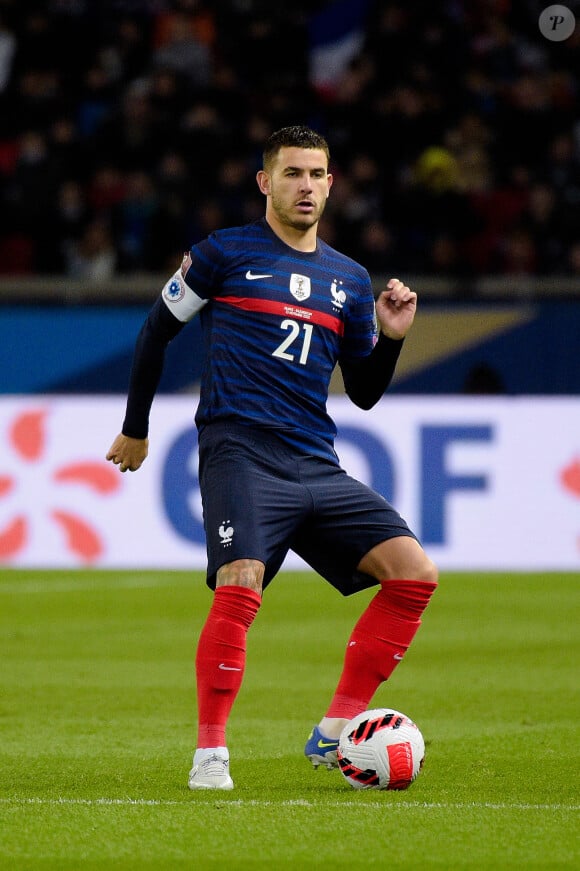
(381, 636)
(220, 663)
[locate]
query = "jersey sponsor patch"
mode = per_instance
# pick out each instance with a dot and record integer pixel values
(300, 286)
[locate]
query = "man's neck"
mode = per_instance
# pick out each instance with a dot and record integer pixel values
(300, 240)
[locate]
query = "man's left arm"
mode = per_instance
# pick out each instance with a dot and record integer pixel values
(366, 379)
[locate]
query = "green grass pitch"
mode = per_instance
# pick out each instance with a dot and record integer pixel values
(97, 728)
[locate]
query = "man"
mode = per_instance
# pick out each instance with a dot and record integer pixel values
(279, 308)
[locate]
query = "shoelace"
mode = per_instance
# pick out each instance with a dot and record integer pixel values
(214, 765)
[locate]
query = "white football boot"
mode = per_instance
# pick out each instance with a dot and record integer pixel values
(211, 769)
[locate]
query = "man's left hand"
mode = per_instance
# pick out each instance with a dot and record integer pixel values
(396, 307)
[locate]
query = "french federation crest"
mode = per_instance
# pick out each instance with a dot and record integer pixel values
(300, 286)
(338, 296)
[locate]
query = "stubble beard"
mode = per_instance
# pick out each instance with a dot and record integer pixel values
(296, 222)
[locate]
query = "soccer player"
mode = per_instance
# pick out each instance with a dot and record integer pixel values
(279, 308)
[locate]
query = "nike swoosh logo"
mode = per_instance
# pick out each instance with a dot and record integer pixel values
(323, 744)
(228, 667)
(253, 276)
(397, 656)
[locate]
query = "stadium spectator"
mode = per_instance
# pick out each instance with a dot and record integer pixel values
(134, 219)
(573, 259)
(474, 80)
(92, 257)
(7, 52)
(182, 51)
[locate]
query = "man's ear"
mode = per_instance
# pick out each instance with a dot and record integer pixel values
(263, 180)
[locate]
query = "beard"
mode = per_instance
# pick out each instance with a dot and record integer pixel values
(295, 220)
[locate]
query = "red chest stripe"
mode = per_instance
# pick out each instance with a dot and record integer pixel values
(286, 309)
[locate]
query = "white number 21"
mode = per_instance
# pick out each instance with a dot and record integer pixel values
(294, 333)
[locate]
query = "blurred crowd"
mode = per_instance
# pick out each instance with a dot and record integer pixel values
(129, 129)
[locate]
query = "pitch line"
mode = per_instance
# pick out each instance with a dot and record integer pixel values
(82, 585)
(405, 805)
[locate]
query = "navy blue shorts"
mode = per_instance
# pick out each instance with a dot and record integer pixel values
(261, 498)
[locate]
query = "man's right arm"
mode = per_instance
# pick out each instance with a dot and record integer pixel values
(130, 447)
(158, 330)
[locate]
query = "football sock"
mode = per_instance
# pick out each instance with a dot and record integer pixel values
(331, 727)
(377, 644)
(220, 660)
(203, 753)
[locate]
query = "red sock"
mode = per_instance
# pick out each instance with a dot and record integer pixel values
(221, 659)
(378, 642)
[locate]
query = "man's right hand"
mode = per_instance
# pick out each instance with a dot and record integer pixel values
(128, 453)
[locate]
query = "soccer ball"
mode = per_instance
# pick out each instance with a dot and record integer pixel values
(380, 749)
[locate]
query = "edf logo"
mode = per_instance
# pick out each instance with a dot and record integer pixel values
(437, 482)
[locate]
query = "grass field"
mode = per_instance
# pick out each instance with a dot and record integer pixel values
(97, 713)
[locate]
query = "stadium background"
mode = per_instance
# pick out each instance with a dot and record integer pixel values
(130, 129)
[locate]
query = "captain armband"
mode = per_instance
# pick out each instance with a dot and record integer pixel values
(180, 299)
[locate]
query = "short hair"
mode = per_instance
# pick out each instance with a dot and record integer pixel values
(297, 136)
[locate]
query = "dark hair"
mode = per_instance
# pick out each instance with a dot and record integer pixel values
(293, 137)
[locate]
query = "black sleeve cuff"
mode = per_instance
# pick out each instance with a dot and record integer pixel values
(366, 379)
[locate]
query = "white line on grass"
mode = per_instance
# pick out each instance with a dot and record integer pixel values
(153, 802)
(117, 581)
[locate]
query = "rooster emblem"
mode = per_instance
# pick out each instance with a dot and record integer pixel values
(338, 296)
(226, 533)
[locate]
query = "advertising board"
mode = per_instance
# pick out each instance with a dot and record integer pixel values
(486, 483)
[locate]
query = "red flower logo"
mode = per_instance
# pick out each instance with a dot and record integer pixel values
(570, 477)
(27, 438)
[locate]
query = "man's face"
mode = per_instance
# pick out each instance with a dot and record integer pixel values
(299, 184)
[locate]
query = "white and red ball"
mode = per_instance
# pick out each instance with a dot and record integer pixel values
(381, 749)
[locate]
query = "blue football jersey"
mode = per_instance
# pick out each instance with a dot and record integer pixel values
(274, 321)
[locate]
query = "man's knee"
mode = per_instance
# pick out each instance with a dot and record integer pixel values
(399, 558)
(429, 572)
(247, 573)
